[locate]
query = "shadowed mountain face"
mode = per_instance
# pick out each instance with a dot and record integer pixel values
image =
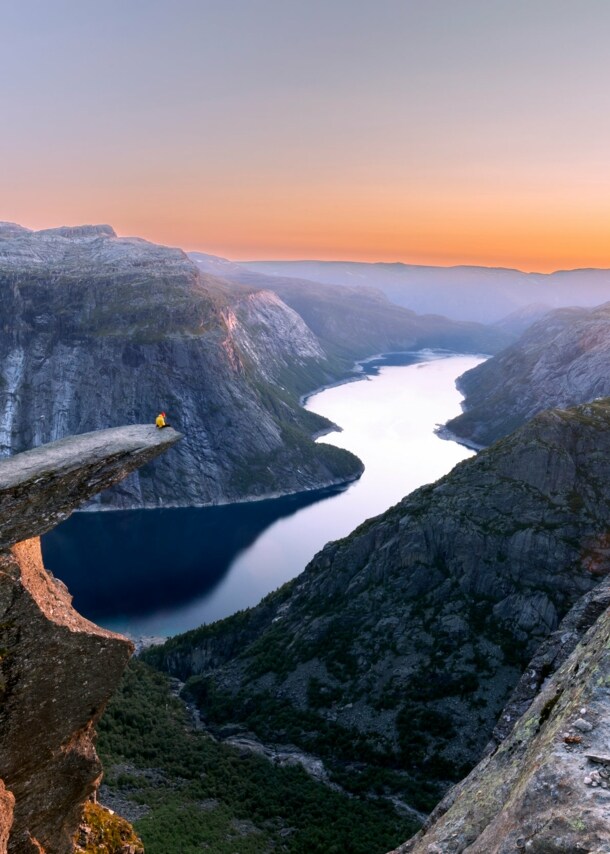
(562, 360)
(484, 294)
(398, 646)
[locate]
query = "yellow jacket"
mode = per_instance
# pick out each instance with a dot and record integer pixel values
(160, 421)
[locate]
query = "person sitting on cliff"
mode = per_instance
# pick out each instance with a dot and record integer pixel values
(160, 421)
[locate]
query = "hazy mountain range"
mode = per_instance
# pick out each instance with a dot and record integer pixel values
(485, 294)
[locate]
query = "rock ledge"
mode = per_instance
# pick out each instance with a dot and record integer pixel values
(41, 487)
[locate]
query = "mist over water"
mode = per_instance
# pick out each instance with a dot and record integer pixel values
(160, 572)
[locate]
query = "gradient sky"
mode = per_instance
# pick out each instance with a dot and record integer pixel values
(427, 131)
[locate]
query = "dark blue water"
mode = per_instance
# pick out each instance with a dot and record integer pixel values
(122, 566)
(160, 572)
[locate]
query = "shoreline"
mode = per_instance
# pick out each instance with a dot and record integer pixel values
(250, 499)
(443, 432)
(359, 373)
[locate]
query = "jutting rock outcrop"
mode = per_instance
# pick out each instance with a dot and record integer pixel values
(401, 643)
(57, 670)
(562, 360)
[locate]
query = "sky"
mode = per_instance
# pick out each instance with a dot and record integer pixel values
(424, 131)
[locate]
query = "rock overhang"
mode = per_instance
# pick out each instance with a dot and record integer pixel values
(41, 487)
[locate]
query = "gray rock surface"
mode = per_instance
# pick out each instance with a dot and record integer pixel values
(561, 361)
(550, 655)
(408, 637)
(547, 787)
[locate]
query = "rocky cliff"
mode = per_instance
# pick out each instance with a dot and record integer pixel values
(100, 330)
(57, 670)
(393, 654)
(547, 786)
(562, 360)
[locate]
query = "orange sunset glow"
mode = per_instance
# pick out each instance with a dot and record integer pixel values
(411, 132)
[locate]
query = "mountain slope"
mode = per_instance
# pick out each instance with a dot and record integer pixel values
(355, 322)
(484, 294)
(540, 791)
(392, 655)
(99, 330)
(562, 360)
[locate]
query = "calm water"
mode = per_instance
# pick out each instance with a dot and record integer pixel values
(159, 572)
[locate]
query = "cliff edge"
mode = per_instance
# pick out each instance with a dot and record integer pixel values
(547, 787)
(57, 670)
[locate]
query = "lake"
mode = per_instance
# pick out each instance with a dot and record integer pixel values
(160, 572)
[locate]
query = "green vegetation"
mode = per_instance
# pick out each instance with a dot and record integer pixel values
(202, 795)
(103, 832)
(362, 763)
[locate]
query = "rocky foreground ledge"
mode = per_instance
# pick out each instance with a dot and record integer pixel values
(57, 670)
(40, 488)
(546, 789)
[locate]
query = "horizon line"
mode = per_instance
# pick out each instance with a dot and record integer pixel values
(314, 260)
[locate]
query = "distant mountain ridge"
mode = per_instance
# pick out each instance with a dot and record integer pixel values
(349, 321)
(483, 294)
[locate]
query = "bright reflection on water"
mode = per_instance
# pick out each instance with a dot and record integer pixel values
(163, 572)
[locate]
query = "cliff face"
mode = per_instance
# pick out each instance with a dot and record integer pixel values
(57, 670)
(562, 360)
(100, 330)
(547, 787)
(402, 642)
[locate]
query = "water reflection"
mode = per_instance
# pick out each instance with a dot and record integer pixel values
(166, 571)
(135, 562)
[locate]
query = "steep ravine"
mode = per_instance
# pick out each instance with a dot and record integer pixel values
(57, 669)
(393, 654)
